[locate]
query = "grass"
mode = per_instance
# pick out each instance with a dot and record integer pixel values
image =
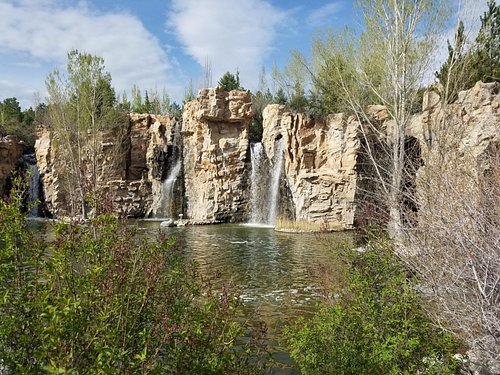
(302, 226)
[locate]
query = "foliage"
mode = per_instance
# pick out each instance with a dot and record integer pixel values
(81, 107)
(17, 122)
(230, 81)
(486, 57)
(97, 300)
(259, 102)
(153, 103)
(456, 246)
(280, 97)
(481, 62)
(374, 325)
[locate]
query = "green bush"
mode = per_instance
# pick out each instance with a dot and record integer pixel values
(96, 300)
(374, 325)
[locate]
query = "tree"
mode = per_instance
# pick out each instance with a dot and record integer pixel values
(123, 103)
(10, 111)
(81, 108)
(207, 74)
(486, 55)
(452, 73)
(17, 122)
(230, 81)
(136, 99)
(188, 93)
(147, 105)
(392, 54)
(479, 62)
(280, 97)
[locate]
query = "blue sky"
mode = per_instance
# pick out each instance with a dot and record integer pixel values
(164, 43)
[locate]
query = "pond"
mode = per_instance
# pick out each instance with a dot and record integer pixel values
(279, 276)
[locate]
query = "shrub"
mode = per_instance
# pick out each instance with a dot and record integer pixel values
(97, 300)
(374, 325)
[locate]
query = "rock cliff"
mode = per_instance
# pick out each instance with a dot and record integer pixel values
(11, 150)
(215, 143)
(132, 163)
(205, 168)
(319, 173)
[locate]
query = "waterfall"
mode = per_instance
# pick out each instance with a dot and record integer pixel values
(167, 187)
(34, 189)
(265, 184)
(256, 184)
(274, 186)
(167, 190)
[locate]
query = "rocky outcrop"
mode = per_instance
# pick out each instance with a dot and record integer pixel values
(464, 129)
(215, 143)
(133, 160)
(319, 164)
(11, 150)
(204, 167)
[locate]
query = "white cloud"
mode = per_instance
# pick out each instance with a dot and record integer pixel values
(46, 30)
(323, 15)
(231, 34)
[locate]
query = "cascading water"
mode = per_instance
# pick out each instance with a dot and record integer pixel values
(257, 212)
(274, 186)
(265, 184)
(34, 189)
(167, 189)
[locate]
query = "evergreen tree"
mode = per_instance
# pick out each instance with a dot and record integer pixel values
(230, 81)
(280, 97)
(486, 56)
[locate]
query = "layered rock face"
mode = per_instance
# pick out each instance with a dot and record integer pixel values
(472, 123)
(319, 164)
(132, 162)
(11, 151)
(215, 143)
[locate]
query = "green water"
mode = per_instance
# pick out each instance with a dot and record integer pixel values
(278, 275)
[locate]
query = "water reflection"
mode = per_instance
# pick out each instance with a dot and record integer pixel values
(274, 272)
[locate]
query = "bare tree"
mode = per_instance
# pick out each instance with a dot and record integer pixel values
(207, 74)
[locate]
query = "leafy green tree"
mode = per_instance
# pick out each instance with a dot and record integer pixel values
(230, 81)
(123, 103)
(17, 122)
(375, 324)
(10, 111)
(107, 302)
(81, 107)
(147, 106)
(298, 101)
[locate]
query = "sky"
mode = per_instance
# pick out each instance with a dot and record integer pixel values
(165, 44)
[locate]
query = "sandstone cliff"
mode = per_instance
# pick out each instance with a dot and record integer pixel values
(205, 168)
(319, 172)
(132, 162)
(215, 143)
(11, 151)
